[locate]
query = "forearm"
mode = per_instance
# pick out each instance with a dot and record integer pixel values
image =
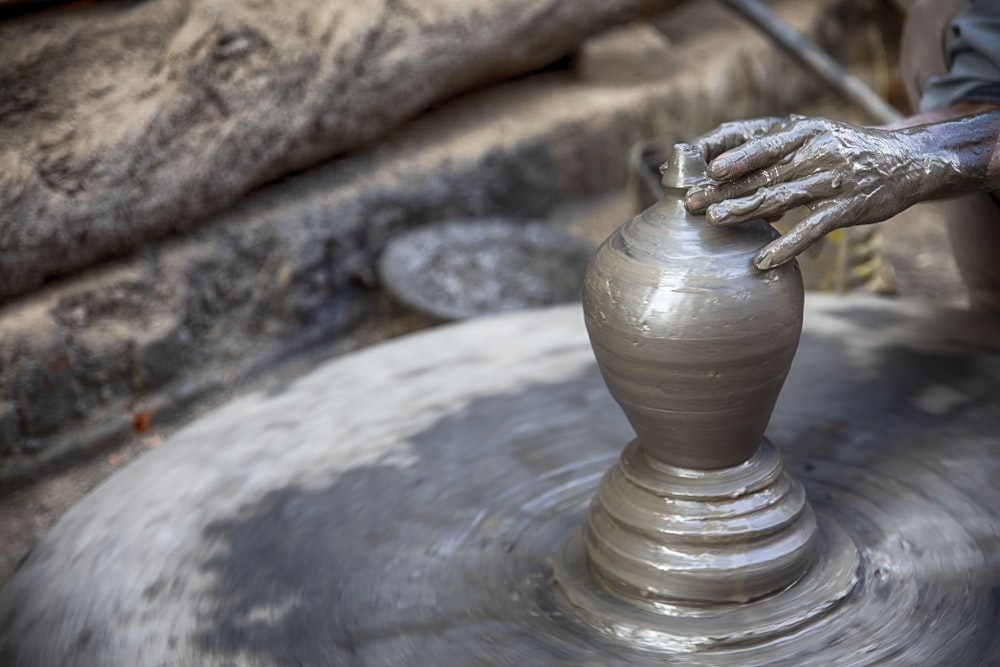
(955, 155)
(940, 115)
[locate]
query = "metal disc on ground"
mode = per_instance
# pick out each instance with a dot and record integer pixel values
(404, 506)
(460, 269)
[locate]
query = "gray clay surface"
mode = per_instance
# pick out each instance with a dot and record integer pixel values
(460, 269)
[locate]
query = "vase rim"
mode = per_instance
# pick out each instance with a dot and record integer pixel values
(685, 167)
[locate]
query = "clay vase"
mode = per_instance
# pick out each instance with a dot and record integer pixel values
(694, 344)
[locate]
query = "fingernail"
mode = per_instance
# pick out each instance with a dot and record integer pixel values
(720, 168)
(764, 260)
(695, 200)
(717, 214)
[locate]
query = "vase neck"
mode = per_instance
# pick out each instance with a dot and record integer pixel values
(685, 168)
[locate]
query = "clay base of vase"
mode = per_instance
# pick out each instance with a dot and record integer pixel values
(657, 535)
(684, 628)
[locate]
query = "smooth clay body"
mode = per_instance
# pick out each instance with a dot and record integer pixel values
(692, 340)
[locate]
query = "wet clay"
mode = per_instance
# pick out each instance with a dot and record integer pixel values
(464, 268)
(402, 505)
(695, 343)
(845, 174)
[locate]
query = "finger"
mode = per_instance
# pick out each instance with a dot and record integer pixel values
(772, 201)
(730, 135)
(705, 194)
(756, 154)
(800, 237)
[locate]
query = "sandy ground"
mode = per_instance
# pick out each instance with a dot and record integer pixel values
(28, 514)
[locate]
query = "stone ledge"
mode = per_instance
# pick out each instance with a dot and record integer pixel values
(292, 264)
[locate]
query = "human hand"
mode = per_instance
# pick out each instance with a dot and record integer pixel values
(845, 174)
(737, 132)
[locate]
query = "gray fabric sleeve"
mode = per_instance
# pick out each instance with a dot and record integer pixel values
(973, 59)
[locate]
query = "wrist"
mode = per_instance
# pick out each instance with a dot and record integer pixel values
(938, 115)
(955, 156)
(993, 167)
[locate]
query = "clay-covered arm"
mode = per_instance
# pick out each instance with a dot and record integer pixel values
(939, 115)
(845, 174)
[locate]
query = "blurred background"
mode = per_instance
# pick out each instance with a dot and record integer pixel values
(199, 198)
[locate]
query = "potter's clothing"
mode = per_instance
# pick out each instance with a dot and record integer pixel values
(951, 33)
(971, 57)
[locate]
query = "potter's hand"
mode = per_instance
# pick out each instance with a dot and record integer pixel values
(738, 132)
(845, 174)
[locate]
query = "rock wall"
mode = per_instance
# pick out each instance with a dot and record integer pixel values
(121, 122)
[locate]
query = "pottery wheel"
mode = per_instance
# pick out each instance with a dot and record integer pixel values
(403, 506)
